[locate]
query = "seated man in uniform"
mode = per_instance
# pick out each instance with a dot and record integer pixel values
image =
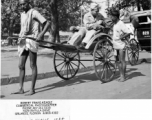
(93, 21)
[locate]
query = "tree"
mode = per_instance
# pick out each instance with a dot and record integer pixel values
(145, 4)
(70, 12)
(9, 13)
(61, 13)
(10, 17)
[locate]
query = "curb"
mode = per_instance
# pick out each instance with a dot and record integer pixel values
(12, 50)
(12, 80)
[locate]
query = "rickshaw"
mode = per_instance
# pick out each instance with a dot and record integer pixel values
(67, 57)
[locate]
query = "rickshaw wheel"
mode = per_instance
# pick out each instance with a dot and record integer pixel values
(133, 52)
(103, 60)
(66, 64)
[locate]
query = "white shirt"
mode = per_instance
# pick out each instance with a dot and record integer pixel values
(34, 29)
(119, 29)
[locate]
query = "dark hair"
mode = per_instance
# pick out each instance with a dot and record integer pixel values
(114, 12)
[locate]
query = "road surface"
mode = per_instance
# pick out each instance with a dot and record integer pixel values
(86, 86)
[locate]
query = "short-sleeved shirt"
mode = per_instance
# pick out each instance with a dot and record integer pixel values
(89, 19)
(34, 29)
(119, 29)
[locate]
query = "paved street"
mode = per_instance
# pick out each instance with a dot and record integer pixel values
(84, 86)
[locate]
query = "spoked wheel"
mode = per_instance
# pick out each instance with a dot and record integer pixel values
(103, 60)
(66, 64)
(133, 52)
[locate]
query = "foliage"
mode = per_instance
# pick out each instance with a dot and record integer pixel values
(72, 15)
(10, 16)
(69, 13)
(145, 4)
(128, 6)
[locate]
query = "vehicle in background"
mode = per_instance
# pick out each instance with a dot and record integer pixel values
(141, 21)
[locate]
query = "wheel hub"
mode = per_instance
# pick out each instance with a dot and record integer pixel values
(68, 60)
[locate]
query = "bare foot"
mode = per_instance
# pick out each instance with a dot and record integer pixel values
(117, 79)
(18, 92)
(122, 79)
(31, 92)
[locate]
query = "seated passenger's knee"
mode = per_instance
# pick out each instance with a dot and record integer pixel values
(74, 29)
(82, 31)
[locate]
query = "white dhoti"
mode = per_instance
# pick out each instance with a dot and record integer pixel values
(118, 44)
(27, 44)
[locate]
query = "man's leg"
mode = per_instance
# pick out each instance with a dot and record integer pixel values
(33, 65)
(123, 64)
(88, 36)
(74, 37)
(118, 63)
(77, 37)
(22, 61)
(116, 57)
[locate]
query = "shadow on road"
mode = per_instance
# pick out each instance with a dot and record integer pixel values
(144, 60)
(2, 96)
(85, 78)
(130, 73)
(134, 74)
(77, 80)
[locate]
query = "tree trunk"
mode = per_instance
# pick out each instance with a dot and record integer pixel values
(10, 32)
(54, 32)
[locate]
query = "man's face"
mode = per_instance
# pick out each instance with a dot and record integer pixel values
(95, 11)
(24, 4)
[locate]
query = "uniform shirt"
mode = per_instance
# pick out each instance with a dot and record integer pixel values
(35, 19)
(89, 19)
